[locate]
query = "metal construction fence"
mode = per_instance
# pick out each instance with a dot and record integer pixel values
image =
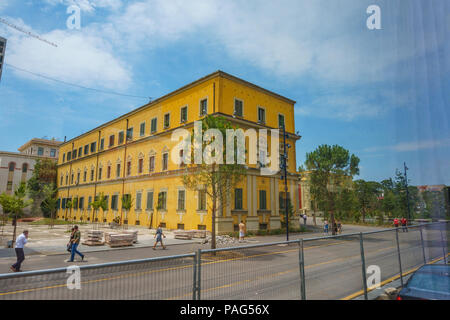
(326, 268)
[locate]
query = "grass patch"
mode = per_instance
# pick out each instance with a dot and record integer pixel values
(48, 221)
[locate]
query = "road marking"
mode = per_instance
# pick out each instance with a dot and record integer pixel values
(361, 292)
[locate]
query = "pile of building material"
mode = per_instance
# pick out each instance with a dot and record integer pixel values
(95, 238)
(181, 234)
(189, 234)
(119, 239)
(134, 233)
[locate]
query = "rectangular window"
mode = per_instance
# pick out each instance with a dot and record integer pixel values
(261, 115)
(154, 125)
(238, 199)
(166, 120)
(141, 166)
(80, 151)
(184, 114)
(152, 164)
(203, 107)
(100, 173)
(129, 134)
(165, 163)
(74, 154)
(282, 200)
(114, 202)
(108, 172)
(67, 179)
(180, 226)
(40, 151)
(86, 150)
(142, 129)
(89, 202)
(262, 200)
(93, 147)
(181, 199)
(106, 202)
(111, 141)
(64, 157)
(69, 155)
(9, 186)
(85, 176)
(92, 174)
(162, 200)
(201, 200)
(53, 153)
(78, 177)
(280, 121)
(102, 144)
(81, 203)
(238, 108)
(150, 200)
(138, 200)
(118, 170)
(121, 137)
(128, 168)
(61, 180)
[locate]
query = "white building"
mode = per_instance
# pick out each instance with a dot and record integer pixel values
(17, 167)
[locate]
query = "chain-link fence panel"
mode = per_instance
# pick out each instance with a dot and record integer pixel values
(251, 273)
(332, 267)
(149, 279)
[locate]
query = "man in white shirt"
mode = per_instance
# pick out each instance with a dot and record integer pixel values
(20, 243)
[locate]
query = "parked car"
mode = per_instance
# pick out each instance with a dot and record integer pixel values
(430, 282)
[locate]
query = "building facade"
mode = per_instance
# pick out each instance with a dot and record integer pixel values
(18, 167)
(130, 156)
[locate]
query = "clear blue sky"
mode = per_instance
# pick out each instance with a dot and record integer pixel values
(382, 94)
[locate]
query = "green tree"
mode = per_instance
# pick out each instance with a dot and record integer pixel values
(48, 205)
(99, 203)
(367, 193)
(331, 168)
(127, 203)
(218, 180)
(44, 173)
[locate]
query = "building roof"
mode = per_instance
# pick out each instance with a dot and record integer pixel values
(50, 143)
(218, 73)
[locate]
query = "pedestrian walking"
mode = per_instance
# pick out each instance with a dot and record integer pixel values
(335, 228)
(158, 235)
(396, 222)
(325, 227)
(75, 241)
(20, 243)
(339, 226)
(304, 219)
(69, 245)
(241, 231)
(404, 223)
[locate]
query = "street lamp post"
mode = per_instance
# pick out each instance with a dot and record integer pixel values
(284, 167)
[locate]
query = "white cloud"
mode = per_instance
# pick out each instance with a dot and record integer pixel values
(80, 57)
(412, 146)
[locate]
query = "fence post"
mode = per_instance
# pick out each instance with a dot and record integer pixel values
(301, 259)
(194, 282)
(399, 258)
(443, 246)
(363, 265)
(199, 272)
(423, 246)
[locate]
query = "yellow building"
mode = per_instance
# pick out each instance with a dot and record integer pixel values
(130, 156)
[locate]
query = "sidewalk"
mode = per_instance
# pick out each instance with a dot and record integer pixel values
(45, 241)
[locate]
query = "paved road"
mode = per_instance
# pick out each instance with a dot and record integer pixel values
(333, 270)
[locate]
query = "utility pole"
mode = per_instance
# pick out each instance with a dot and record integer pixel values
(407, 191)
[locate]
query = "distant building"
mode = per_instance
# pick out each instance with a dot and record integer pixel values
(17, 167)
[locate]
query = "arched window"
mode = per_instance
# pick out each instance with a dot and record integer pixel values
(12, 166)
(25, 168)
